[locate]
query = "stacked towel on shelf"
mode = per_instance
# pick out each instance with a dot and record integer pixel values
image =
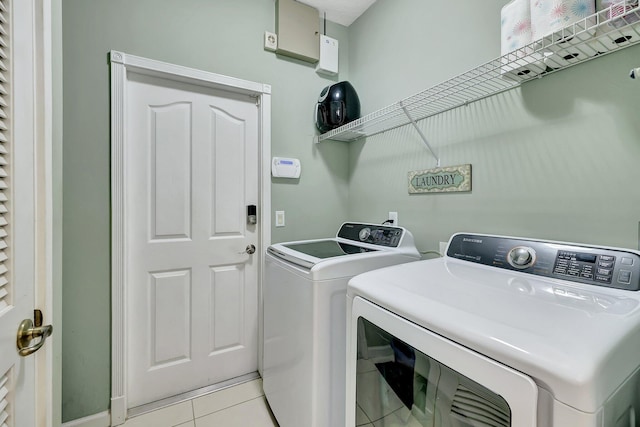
(518, 60)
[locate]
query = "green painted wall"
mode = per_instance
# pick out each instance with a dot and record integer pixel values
(555, 159)
(221, 36)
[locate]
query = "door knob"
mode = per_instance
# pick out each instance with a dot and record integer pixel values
(27, 332)
(250, 249)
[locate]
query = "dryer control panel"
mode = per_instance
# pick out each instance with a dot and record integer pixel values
(610, 267)
(373, 234)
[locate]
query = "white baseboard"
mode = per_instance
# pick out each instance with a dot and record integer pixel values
(98, 420)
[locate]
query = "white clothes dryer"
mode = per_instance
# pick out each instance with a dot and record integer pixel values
(305, 317)
(500, 332)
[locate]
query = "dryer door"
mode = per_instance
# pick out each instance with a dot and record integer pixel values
(401, 374)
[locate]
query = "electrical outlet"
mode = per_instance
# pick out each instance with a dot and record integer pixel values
(270, 41)
(443, 248)
(279, 218)
(393, 216)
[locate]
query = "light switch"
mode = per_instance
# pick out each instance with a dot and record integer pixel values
(279, 218)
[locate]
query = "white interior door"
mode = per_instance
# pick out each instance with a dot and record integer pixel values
(191, 168)
(23, 223)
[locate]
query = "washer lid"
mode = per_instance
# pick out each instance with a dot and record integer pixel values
(309, 253)
(578, 341)
(326, 248)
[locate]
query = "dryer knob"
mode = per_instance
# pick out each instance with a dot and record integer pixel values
(521, 257)
(364, 233)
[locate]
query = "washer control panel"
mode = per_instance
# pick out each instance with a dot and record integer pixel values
(373, 234)
(610, 267)
(521, 257)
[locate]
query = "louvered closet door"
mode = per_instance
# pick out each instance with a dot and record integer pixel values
(6, 298)
(4, 158)
(17, 207)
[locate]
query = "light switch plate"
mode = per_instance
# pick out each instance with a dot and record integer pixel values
(279, 218)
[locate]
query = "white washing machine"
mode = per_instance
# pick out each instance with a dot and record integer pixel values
(500, 332)
(305, 317)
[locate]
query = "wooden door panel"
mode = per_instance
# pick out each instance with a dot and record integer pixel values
(227, 309)
(170, 160)
(228, 163)
(170, 326)
(192, 169)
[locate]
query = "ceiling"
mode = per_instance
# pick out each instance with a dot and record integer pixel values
(343, 12)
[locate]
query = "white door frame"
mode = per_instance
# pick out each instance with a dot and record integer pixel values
(121, 63)
(43, 203)
(44, 209)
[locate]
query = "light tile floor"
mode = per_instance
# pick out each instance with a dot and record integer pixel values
(243, 405)
(377, 403)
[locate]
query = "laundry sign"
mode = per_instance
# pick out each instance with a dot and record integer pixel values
(441, 180)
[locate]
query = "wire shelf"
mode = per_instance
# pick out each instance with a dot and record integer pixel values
(604, 32)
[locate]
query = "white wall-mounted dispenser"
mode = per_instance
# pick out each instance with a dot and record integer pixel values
(282, 167)
(328, 63)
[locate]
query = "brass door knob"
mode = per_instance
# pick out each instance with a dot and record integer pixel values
(27, 333)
